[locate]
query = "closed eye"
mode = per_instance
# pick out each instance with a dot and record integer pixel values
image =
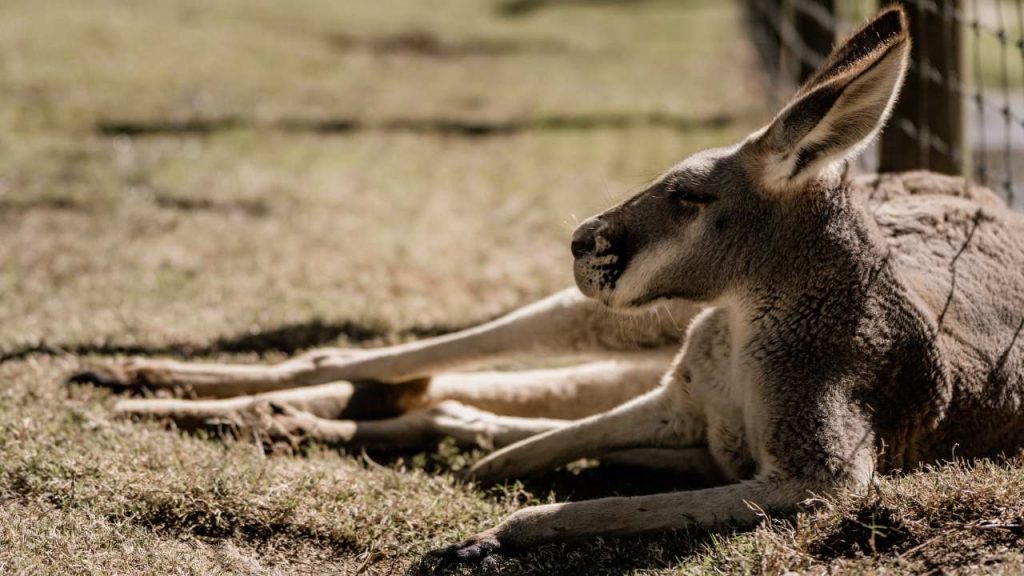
(690, 197)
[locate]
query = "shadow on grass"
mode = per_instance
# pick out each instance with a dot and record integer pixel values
(181, 516)
(593, 556)
(188, 514)
(872, 529)
(250, 208)
(527, 7)
(54, 204)
(619, 555)
(286, 339)
(192, 126)
(435, 126)
(426, 44)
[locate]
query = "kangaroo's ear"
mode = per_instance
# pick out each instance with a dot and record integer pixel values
(841, 108)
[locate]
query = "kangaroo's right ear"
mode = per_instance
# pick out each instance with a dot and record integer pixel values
(841, 108)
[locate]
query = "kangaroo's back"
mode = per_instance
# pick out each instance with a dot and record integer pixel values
(959, 250)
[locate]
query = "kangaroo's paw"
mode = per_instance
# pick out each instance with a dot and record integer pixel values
(131, 375)
(471, 551)
(272, 423)
(491, 469)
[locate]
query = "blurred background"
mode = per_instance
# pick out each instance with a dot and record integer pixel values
(961, 110)
(174, 172)
(184, 174)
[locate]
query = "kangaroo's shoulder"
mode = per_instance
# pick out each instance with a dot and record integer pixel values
(937, 228)
(954, 244)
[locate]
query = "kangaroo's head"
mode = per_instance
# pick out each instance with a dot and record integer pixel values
(701, 228)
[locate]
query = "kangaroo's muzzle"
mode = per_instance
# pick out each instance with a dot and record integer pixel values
(600, 257)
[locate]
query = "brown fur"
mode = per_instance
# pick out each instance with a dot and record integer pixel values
(836, 328)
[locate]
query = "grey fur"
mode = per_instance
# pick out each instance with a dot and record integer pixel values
(852, 326)
(837, 328)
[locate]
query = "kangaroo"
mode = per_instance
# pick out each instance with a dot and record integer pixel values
(834, 328)
(412, 394)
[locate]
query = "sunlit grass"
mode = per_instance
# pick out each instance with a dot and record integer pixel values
(300, 169)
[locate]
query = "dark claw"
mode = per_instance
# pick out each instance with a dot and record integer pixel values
(465, 475)
(470, 551)
(483, 478)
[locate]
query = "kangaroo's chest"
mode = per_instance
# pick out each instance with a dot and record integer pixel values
(724, 384)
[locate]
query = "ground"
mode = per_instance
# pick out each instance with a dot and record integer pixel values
(244, 179)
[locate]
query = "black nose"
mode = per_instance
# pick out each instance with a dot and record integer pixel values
(584, 240)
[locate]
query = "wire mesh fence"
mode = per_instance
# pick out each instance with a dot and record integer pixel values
(962, 106)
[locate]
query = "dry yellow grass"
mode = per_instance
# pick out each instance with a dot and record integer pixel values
(243, 179)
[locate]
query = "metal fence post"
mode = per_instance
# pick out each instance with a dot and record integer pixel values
(926, 130)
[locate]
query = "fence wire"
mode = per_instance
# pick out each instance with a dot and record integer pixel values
(962, 107)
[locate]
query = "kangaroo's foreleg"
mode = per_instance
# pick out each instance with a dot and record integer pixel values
(468, 426)
(730, 504)
(564, 325)
(658, 419)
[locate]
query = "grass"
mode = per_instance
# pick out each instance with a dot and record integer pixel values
(245, 179)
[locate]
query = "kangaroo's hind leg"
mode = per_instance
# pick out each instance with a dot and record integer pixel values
(468, 426)
(564, 325)
(337, 400)
(565, 393)
(415, 429)
(559, 393)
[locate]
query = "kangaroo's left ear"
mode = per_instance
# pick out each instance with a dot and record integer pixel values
(841, 109)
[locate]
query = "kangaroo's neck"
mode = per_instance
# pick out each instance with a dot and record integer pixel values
(830, 256)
